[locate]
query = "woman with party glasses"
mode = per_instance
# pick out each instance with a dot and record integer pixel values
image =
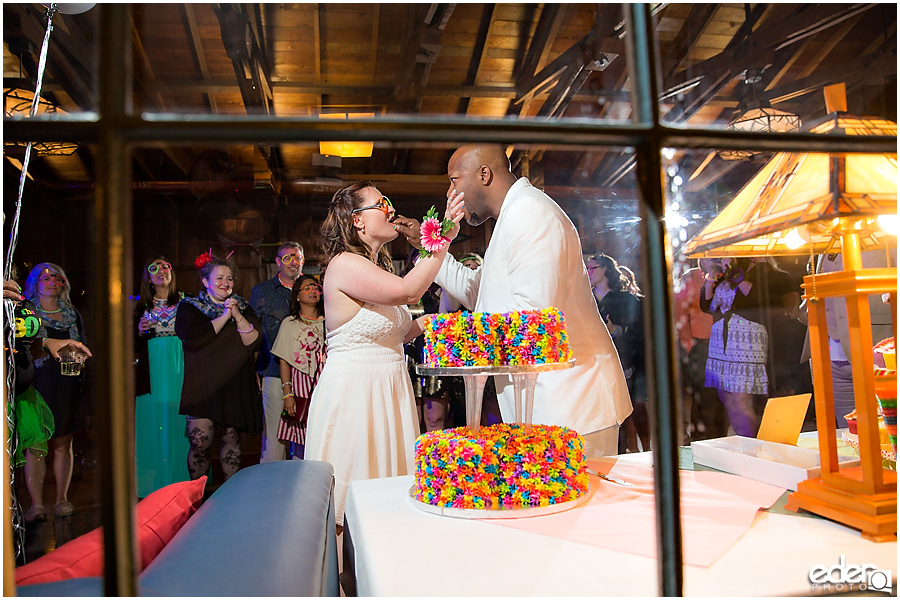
(49, 289)
(362, 416)
(160, 441)
(220, 334)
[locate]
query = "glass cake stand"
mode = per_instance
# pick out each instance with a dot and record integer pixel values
(523, 377)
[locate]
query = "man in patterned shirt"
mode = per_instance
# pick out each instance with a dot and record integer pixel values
(270, 301)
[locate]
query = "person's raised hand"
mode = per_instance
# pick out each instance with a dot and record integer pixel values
(409, 228)
(455, 205)
(12, 290)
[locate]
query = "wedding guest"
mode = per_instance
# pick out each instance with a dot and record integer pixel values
(362, 416)
(50, 290)
(738, 342)
(220, 333)
(705, 416)
(300, 350)
(619, 302)
(160, 440)
(271, 300)
(31, 418)
(534, 261)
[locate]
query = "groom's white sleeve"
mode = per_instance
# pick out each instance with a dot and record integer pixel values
(459, 281)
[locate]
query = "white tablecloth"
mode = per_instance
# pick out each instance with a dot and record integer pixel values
(403, 551)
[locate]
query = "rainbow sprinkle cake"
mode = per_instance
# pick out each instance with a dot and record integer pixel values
(466, 339)
(500, 467)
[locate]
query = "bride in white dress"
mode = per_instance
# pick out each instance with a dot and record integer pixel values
(362, 414)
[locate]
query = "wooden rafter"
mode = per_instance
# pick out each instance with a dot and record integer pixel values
(687, 37)
(478, 53)
(248, 58)
(63, 63)
(197, 48)
(758, 49)
(839, 34)
(882, 62)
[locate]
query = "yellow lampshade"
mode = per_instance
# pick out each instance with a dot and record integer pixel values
(346, 149)
(813, 193)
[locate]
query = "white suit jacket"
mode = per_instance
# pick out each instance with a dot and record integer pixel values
(534, 261)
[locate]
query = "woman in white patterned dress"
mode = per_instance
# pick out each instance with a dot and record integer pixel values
(362, 415)
(738, 343)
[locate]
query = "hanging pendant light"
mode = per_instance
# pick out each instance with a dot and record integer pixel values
(756, 114)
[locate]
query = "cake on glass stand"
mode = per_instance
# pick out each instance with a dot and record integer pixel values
(523, 378)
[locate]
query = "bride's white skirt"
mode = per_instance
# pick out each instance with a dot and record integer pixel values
(362, 418)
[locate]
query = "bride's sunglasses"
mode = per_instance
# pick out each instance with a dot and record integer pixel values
(384, 205)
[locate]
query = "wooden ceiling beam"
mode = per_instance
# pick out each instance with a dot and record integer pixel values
(785, 65)
(62, 63)
(373, 54)
(759, 48)
(247, 58)
(565, 75)
(478, 53)
(698, 97)
(828, 46)
(881, 38)
(710, 176)
(687, 37)
(197, 49)
(421, 48)
(492, 90)
(155, 88)
(318, 28)
(882, 62)
(552, 17)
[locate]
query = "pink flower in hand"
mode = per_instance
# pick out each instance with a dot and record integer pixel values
(433, 239)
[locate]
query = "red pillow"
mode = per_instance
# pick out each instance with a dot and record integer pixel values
(159, 517)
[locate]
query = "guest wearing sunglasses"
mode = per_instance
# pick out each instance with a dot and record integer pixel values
(49, 289)
(271, 301)
(362, 415)
(160, 440)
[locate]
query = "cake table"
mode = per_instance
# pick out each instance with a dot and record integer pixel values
(523, 378)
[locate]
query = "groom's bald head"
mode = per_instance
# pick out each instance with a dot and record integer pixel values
(482, 172)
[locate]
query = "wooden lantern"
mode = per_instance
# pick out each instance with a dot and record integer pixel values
(863, 497)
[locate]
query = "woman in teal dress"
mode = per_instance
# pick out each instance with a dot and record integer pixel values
(160, 435)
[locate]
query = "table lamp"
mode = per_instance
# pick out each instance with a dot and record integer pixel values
(806, 203)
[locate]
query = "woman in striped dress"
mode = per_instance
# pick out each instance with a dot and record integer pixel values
(300, 346)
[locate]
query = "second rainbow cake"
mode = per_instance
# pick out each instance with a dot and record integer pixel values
(500, 467)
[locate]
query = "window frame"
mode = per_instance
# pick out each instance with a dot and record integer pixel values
(115, 131)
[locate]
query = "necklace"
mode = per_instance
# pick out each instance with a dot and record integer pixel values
(281, 281)
(308, 320)
(50, 312)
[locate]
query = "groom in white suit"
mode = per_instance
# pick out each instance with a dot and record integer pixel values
(534, 261)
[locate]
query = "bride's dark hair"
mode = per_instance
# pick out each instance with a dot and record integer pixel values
(339, 234)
